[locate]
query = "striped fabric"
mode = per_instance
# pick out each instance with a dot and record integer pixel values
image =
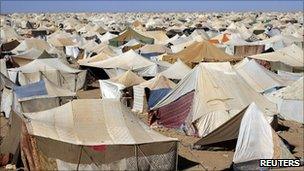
(174, 114)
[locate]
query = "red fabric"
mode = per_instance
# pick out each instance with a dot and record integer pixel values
(99, 148)
(174, 114)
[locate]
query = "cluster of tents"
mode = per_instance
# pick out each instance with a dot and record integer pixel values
(227, 82)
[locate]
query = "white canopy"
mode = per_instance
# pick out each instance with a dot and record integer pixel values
(291, 55)
(92, 122)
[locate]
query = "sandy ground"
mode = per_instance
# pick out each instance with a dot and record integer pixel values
(190, 159)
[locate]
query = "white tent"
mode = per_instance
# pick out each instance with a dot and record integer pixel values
(206, 98)
(8, 34)
(39, 96)
(30, 43)
(112, 88)
(103, 133)
(257, 140)
(106, 37)
(53, 69)
(258, 77)
(291, 56)
(290, 101)
(279, 41)
(127, 61)
(177, 71)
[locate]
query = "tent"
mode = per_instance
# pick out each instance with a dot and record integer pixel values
(153, 50)
(177, 71)
(52, 68)
(287, 58)
(30, 43)
(127, 61)
(290, 101)
(159, 36)
(198, 52)
(255, 139)
(6, 94)
(279, 41)
(106, 37)
(39, 96)
(140, 99)
(96, 135)
(258, 77)
(205, 98)
(129, 34)
(26, 56)
(8, 34)
(112, 88)
(104, 53)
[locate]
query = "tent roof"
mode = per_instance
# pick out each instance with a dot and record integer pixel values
(8, 34)
(158, 36)
(177, 71)
(32, 53)
(217, 87)
(42, 89)
(258, 77)
(291, 55)
(158, 82)
(292, 92)
(92, 122)
(107, 36)
(30, 43)
(44, 65)
(128, 79)
(200, 51)
(128, 60)
(128, 35)
(155, 48)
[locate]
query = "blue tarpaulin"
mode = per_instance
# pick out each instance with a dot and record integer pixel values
(157, 95)
(35, 89)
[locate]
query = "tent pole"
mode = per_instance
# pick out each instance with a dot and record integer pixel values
(136, 155)
(79, 158)
(176, 153)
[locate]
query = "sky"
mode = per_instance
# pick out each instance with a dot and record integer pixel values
(10, 6)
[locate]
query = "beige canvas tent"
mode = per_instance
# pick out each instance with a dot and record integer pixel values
(95, 135)
(198, 52)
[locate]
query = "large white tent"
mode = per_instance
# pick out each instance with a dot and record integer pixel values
(207, 97)
(104, 133)
(121, 63)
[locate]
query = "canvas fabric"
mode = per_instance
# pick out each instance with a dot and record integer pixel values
(217, 87)
(257, 140)
(258, 77)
